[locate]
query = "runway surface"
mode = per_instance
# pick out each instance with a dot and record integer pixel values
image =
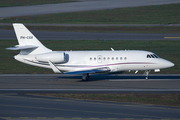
(22, 107)
(103, 83)
(14, 104)
(48, 35)
(77, 6)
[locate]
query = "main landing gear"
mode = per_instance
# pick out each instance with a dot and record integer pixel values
(85, 77)
(146, 73)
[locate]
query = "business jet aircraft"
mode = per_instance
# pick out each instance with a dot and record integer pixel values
(33, 52)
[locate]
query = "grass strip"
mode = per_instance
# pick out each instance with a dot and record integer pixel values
(156, 99)
(106, 29)
(10, 3)
(166, 49)
(163, 14)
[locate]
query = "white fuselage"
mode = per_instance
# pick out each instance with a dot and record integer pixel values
(33, 52)
(115, 60)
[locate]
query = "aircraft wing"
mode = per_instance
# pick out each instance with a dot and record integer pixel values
(98, 70)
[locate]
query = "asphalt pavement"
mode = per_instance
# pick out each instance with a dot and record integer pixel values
(50, 35)
(102, 83)
(77, 6)
(14, 106)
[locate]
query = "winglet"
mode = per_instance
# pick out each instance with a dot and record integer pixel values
(54, 68)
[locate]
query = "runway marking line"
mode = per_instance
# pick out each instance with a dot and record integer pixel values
(172, 37)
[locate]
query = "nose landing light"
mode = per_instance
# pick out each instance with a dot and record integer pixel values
(156, 70)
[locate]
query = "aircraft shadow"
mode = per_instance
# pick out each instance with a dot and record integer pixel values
(119, 77)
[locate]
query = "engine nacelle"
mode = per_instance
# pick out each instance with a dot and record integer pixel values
(55, 57)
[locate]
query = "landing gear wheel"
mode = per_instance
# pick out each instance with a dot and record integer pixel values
(85, 77)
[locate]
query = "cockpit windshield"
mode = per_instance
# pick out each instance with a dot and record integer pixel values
(155, 55)
(152, 56)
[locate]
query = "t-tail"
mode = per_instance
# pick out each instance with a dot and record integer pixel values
(28, 43)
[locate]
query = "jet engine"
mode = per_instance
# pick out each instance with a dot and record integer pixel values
(55, 57)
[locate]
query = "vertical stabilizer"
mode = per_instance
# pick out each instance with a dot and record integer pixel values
(26, 38)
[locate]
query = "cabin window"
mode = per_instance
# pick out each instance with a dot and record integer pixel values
(104, 58)
(108, 58)
(90, 58)
(116, 58)
(112, 58)
(120, 58)
(125, 58)
(94, 58)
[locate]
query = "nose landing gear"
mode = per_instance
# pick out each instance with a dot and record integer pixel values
(146, 73)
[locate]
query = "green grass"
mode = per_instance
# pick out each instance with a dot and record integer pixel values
(165, 14)
(109, 29)
(169, 50)
(10, 3)
(157, 99)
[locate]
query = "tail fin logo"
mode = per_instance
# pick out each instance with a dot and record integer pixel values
(26, 37)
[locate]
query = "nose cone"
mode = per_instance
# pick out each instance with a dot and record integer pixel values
(170, 64)
(167, 64)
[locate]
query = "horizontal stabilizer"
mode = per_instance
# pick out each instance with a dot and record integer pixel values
(99, 70)
(22, 47)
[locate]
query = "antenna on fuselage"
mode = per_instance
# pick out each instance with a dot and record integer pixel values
(112, 49)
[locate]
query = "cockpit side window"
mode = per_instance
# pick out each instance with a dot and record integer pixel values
(155, 55)
(152, 56)
(148, 56)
